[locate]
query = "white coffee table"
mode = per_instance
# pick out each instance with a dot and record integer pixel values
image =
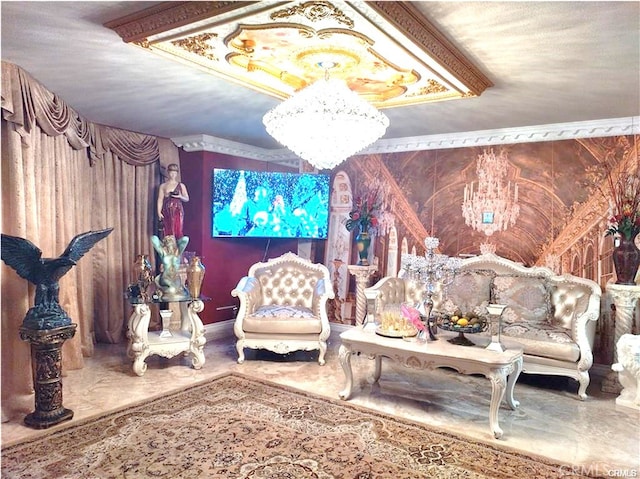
(502, 368)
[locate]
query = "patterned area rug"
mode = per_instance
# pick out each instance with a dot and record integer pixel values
(236, 427)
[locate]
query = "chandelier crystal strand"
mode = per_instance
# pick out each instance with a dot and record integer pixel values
(325, 123)
(492, 207)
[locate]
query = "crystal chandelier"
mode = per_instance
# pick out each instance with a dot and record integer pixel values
(325, 123)
(492, 207)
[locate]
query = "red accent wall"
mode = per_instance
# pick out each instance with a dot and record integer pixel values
(226, 259)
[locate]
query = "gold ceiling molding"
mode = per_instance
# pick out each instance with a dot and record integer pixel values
(387, 52)
(166, 16)
(412, 23)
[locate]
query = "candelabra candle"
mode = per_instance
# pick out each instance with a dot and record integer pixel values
(432, 269)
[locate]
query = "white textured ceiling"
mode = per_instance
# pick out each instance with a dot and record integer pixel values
(550, 62)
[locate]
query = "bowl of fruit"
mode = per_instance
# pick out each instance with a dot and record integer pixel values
(462, 323)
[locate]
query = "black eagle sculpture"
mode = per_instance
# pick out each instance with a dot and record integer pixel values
(26, 258)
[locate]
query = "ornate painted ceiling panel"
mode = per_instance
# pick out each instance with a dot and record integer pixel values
(385, 51)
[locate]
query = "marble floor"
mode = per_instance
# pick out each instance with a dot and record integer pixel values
(595, 436)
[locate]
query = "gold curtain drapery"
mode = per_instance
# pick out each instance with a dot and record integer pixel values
(63, 175)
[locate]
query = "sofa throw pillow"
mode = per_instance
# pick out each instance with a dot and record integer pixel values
(468, 293)
(277, 310)
(527, 299)
(539, 332)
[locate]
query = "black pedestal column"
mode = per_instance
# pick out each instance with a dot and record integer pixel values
(46, 366)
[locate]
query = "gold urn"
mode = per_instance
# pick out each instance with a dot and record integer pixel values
(195, 276)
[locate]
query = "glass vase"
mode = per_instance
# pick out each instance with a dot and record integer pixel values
(363, 241)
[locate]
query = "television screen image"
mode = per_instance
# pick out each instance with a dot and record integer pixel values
(269, 204)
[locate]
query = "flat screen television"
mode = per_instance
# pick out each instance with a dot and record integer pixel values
(268, 204)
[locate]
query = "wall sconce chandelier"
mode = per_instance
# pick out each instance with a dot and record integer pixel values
(492, 207)
(325, 123)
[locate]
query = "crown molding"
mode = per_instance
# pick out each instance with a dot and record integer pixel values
(233, 148)
(529, 134)
(552, 132)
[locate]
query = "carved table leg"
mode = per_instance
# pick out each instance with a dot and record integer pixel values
(194, 325)
(46, 367)
(511, 383)
(377, 371)
(498, 378)
(138, 337)
(344, 354)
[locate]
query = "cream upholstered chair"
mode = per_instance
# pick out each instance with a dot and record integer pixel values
(283, 307)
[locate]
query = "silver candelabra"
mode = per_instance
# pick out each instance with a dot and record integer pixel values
(431, 269)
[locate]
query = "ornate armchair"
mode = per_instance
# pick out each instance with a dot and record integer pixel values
(283, 307)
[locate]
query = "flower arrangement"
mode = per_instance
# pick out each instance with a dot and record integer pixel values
(365, 212)
(623, 192)
(626, 221)
(413, 316)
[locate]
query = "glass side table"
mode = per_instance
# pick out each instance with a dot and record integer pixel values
(188, 338)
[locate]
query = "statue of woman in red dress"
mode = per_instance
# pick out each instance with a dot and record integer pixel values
(171, 195)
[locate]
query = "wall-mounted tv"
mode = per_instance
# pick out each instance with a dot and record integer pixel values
(269, 204)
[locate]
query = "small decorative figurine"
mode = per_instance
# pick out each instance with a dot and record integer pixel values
(142, 275)
(168, 281)
(171, 194)
(628, 369)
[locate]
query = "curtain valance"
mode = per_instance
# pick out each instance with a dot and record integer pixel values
(25, 102)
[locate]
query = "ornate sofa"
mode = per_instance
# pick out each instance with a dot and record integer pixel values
(283, 307)
(552, 317)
